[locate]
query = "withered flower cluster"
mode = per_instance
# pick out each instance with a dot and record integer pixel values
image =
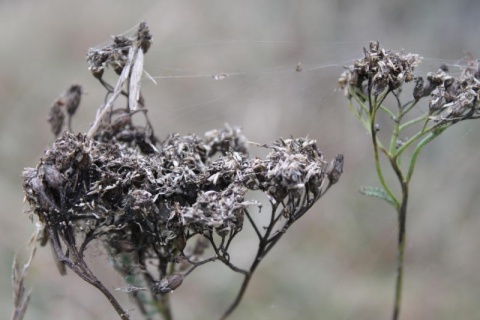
(151, 205)
(450, 98)
(156, 205)
(380, 69)
(115, 55)
(88, 189)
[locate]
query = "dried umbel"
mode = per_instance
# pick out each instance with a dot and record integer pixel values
(451, 99)
(110, 190)
(149, 206)
(382, 69)
(454, 98)
(156, 205)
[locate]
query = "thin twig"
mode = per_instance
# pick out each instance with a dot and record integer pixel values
(81, 269)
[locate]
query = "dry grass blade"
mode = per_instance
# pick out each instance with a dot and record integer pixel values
(106, 109)
(135, 77)
(21, 298)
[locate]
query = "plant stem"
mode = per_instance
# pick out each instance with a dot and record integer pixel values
(419, 148)
(165, 307)
(235, 303)
(402, 220)
(265, 244)
(378, 166)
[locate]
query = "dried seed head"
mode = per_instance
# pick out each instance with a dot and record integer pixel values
(168, 284)
(122, 43)
(335, 169)
(97, 61)
(418, 89)
(72, 98)
(385, 69)
(225, 140)
(144, 36)
(374, 46)
(218, 210)
(455, 98)
(293, 165)
(56, 117)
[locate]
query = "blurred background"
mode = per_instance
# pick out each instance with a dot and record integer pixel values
(338, 261)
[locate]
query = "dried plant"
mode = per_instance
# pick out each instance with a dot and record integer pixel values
(381, 75)
(21, 298)
(157, 205)
(70, 100)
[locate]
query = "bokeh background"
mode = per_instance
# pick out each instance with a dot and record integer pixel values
(338, 261)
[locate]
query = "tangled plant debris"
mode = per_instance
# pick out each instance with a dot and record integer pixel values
(382, 74)
(157, 205)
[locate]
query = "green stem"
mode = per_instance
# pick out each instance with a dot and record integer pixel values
(413, 139)
(378, 166)
(385, 109)
(402, 220)
(358, 115)
(402, 217)
(363, 107)
(419, 148)
(395, 133)
(409, 106)
(413, 121)
(163, 306)
(360, 112)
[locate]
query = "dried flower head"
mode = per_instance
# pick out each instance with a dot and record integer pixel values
(144, 199)
(225, 140)
(144, 36)
(56, 117)
(385, 69)
(88, 189)
(115, 54)
(72, 98)
(168, 284)
(455, 98)
(70, 101)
